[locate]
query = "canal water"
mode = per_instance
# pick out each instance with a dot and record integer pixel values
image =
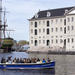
(65, 64)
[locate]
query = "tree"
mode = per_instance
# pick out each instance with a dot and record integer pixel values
(7, 43)
(23, 42)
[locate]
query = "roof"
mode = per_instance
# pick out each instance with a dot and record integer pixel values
(52, 13)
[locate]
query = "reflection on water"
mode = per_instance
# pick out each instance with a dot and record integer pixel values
(27, 72)
(24, 72)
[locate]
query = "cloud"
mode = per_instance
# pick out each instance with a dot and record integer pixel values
(21, 10)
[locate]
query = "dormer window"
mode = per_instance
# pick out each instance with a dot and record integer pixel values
(36, 15)
(48, 14)
(66, 11)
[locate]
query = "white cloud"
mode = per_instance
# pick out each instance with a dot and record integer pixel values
(21, 10)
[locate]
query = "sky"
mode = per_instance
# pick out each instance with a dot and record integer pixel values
(19, 11)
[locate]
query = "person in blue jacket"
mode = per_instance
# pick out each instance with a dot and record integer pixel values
(44, 61)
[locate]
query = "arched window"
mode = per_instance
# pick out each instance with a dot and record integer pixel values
(68, 27)
(68, 19)
(64, 21)
(72, 40)
(35, 42)
(56, 29)
(48, 14)
(35, 31)
(47, 30)
(35, 24)
(56, 41)
(47, 23)
(72, 19)
(68, 40)
(48, 42)
(65, 30)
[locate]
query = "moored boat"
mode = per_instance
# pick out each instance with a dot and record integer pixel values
(28, 65)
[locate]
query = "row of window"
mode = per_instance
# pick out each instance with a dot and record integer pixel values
(71, 19)
(44, 37)
(52, 29)
(52, 41)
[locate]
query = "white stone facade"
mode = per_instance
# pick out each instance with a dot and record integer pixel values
(59, 34)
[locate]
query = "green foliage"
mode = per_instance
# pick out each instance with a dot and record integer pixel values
(23, 42)
(7, 43)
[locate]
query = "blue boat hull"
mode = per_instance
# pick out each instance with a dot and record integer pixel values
(28, 66)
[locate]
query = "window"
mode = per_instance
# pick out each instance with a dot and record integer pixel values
(51, 36)
(43, 30)
(61, 36)
(35, 42)
(64, 21)
(72, 27)
(68, 27)
(68, 19)
(72, 46)
(39, 30)
(31, 41)
(47, 23)
(72, 40)
(56, 29)
(31, 30)
(43, 41)
(68, 40)
(65, 30)
(48, 14)
(66, 11)
(72, 19)
(56, 36)
(51, 41)
(39, 41)
(51, 29)
(47, 30)
(61, 40)
(35, 24)
(43, 22)
(56, 20)
(48, 42)
(60, 28)
(56, 41)
(39, 36)
(35, 31)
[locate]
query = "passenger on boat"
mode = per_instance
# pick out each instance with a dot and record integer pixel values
(14, 61)
(38, 60)
(24, 60)
(9, 60)
(29, 61)
(48, 60)
(33, 60)
(44, 61)
(3, 60)
(17, 60)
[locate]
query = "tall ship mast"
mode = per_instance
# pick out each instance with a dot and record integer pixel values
(5, 43)
(0, 20)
